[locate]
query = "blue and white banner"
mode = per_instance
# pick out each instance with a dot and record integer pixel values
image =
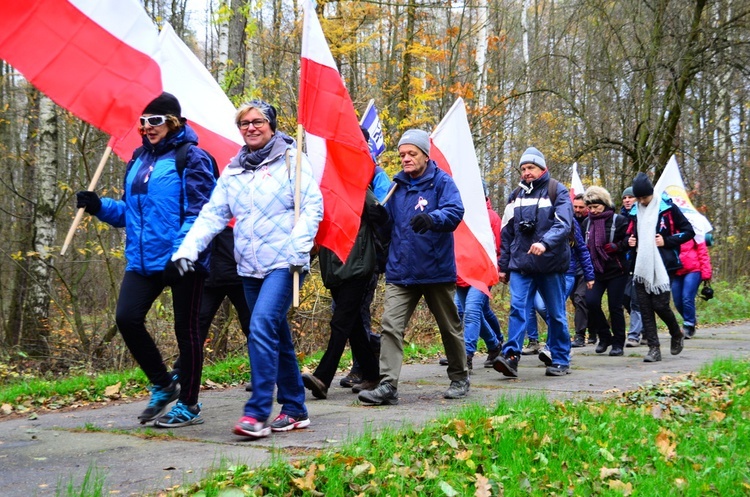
(371, 122)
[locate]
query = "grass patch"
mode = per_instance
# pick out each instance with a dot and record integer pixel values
(684, 436)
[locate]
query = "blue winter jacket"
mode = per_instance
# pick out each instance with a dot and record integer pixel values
(150, 206)
(551, 226)
(580, 258)
(429, 257)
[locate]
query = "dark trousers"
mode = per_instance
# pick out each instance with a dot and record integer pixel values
(615, 288)
(213, 297)
(347, 324)
(137, 295)
(655, 304)
(578, 297)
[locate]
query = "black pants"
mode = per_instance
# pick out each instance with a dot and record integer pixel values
(615, 288)
(658, 304)
(578, 297)
(137, 295)
(213, 297)
(346, 324)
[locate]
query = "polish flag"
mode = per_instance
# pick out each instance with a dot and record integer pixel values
(336, 147)
(453, 150)
(576, 185)
(104, 61)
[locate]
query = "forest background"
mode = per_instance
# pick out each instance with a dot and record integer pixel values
(617, 87)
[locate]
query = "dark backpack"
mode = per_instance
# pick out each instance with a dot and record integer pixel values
(180, 162)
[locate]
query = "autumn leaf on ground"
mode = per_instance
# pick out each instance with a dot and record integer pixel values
(464, 455)
(625, 488)
(447, 489)
(483, 487)
(450, 441)
(717, 416)
(361, 468)
(308, 482)
(113, 391)
(605, 472)
(6, 409)
(665, 445)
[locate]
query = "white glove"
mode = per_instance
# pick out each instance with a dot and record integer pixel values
(184, 266)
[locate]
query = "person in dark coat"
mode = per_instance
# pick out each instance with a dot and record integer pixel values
(657, 257)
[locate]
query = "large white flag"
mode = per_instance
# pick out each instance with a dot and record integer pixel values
(671, 183)
(453, 151)
(576, 185)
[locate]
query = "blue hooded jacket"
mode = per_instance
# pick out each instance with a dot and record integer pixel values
(150, 206)
(423, 258)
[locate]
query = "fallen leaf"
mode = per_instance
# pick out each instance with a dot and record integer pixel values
(450, 441)
(606, 454)
(625, 488)
(611, 390)
(605, 472)
(33, 416)
(211, 384)
(680, 483)
(664, 445)
(308, 482)
(464, 455)
(6, 408)
(361, 468)
(447, 489)
(113, 390)
(717, 416)
(483, 487)
(657, 412)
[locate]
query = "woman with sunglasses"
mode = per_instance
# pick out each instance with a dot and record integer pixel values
(257, 188)
(158, 207)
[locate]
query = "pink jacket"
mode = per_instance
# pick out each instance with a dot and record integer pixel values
(694, 257)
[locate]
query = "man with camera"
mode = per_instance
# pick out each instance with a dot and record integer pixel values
(534, 256)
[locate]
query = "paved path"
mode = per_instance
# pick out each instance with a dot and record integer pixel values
(38, 457)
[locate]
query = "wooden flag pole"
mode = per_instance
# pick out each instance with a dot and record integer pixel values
(389, 194)
(92, 185)
(297, 188)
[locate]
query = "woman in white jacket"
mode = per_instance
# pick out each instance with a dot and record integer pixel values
(257, 188)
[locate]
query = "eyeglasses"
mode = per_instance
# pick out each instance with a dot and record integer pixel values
(153, 120)
(257, 124)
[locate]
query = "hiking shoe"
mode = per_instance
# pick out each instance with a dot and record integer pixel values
(507, 365)
(557, 370)
(248, 426)
(161, 397)
(579, 341)
(545, 355)
(248, 387)
(532, 348)
(458, 389)
(631, 342)
(491, 356)
(688, 331)
(365, 385)
(470, 363)
(351, 379)
(317, 387)
(654, 355)
(616, 351)
(677, 344)
(285, 422)
(443, 361)
(592, 339)
(602, 347)
(180, 415)
(384, 394)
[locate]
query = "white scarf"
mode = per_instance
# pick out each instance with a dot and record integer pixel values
(649, 266)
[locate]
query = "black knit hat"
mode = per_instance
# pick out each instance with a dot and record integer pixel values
(642, 186)
(164, 104)
(268, 110)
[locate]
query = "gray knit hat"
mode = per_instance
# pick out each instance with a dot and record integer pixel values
(533, 156)
(418, 138)
(628, 192)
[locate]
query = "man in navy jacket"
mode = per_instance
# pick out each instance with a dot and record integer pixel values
(423, 212)
(534, 256)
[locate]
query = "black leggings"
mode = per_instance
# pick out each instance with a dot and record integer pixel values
(137, 295)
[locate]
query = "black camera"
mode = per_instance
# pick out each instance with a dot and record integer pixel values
(707, 293)
(526, 226)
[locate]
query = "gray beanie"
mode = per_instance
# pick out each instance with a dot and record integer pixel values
(628, 192)
(533, 156)
(418, 138)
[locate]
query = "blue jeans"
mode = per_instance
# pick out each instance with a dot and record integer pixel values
(684, 290)
(270, 347)
(532, 328)
(474, 306)
(551, 286)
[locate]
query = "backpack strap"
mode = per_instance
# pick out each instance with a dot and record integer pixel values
(612, 229)
(552, 190)
(180, 163)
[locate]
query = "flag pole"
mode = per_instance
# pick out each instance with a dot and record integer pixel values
(388, 195)
(92, 185)
(297, 187)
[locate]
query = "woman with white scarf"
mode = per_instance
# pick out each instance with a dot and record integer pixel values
(657, 257)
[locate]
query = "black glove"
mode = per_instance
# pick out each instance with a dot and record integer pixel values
(376, 214)
(89, 201)
(171, 275)
(611, 248)
(296, 269)
(421, 223)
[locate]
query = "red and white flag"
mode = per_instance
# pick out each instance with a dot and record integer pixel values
(104, 61)
(576, 185)
(453, 150)
(335, 145)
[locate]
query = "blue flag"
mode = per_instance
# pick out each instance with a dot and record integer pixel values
(371, 122)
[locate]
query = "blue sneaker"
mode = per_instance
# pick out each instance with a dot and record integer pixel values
(180, 415)
(160, 399)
